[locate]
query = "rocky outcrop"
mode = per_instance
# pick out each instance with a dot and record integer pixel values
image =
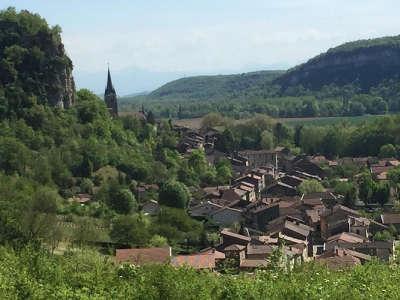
(61, 91)
(364, 63)
(33, 62)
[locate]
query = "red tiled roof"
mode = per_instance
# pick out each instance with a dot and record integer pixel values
(140, 256)
(346, 237)
(259, 249)
(196, 261)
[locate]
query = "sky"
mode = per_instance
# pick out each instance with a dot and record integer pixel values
(148, 43)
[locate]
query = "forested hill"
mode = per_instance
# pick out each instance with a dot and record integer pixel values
(364, 63)
(34, 68)
(215, 87)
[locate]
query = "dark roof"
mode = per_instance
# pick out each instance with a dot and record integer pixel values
(302, 230)
(140, 256)
(234, 247)
(390, 218)
(339, 262)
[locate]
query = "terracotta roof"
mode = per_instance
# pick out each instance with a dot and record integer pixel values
(346, 237)
(340, 262)
(196, 261)
(259, 249)
(253, 263)
(390, 218)
(140, 256)
(231, 195)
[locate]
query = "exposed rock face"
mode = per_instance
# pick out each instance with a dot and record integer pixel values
(62, 90)
(365, 66)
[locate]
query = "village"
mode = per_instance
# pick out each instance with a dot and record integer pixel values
(264, 218)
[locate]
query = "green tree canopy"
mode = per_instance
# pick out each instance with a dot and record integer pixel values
(174, 194)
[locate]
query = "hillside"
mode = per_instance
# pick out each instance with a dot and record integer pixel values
(365, 63)
(214, 87)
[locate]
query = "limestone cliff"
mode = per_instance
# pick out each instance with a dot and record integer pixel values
(364, 63)
(34, 66)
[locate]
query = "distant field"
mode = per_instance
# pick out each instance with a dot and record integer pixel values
(195, 123)
(321, 121)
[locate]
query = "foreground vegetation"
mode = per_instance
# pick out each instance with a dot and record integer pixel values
(35, 274)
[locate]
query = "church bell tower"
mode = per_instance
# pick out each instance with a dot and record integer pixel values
(110, 97)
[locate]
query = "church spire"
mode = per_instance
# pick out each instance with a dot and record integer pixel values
(109, 87)
(110, 97)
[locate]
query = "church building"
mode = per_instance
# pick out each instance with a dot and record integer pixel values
(110, 97)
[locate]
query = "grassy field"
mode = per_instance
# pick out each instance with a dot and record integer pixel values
(322, 121)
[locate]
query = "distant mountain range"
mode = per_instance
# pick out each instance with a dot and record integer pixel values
(364, 63)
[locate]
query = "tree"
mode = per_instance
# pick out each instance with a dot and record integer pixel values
(158, 241)
(366, 187)
(130, 231)
(121, 199)
(174, 194)
(387, 151)
(349, 191)
(394, 179)
(226, 141)
(150, 118)
(310, 186)
(39, 217)
(281, 132)
(211, 120)
(357, 109)
(85, 231)
(381, 193)
(297, 135)
(267, 140)
(224, 171)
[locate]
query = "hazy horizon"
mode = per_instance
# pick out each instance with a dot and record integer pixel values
(150, 43)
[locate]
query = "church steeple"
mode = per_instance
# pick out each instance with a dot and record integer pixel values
(109, 87)
(110, 97)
